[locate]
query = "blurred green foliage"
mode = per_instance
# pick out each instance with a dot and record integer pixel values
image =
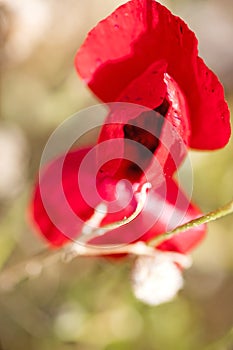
(88, 304)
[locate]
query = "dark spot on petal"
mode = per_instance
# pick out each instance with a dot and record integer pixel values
(146, 130)
(181, 29)
(163, 108)
(134, 168)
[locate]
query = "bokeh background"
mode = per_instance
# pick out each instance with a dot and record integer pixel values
(87, 304)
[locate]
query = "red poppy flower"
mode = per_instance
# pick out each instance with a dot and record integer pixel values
(125, 58)
(61, 210)
(143, 55)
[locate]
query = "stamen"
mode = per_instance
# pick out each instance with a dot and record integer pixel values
(93, 230)
(95, 220)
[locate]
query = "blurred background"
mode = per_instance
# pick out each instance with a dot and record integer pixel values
(88, 303)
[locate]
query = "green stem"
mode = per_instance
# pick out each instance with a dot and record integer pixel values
(212, 216)
(34, 265)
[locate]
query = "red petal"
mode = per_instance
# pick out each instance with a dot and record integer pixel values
(62, 201)
(148, 89)
(177, 210)
(210, 114)
(163, 212)
(121, 47)
(49, 210)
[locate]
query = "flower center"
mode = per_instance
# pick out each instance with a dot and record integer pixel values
(147, 127)
(145, 130)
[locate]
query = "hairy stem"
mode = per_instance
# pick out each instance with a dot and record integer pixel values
(33, 266)
(212, 216)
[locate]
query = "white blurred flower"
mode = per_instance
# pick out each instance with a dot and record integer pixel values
(30, 21)
(157, 279)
